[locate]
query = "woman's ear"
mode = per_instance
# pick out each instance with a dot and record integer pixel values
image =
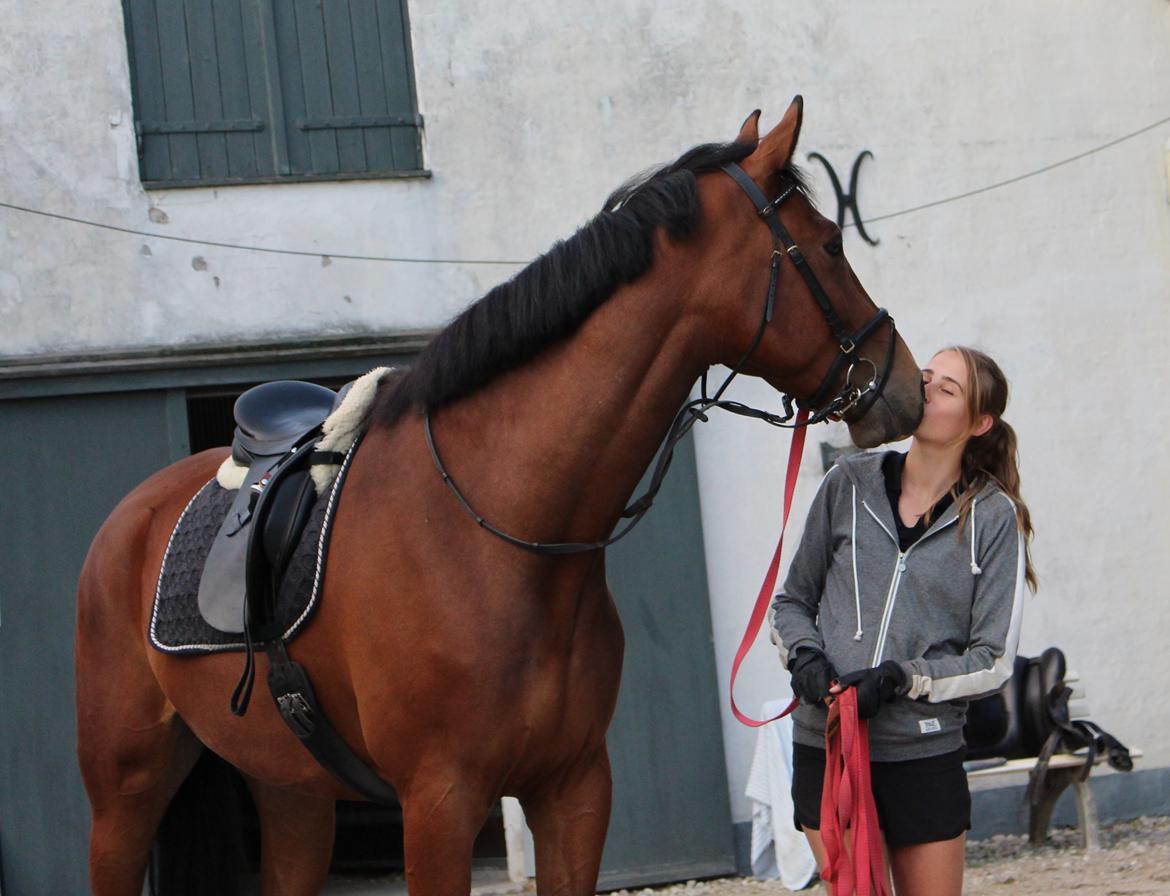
(985, 423)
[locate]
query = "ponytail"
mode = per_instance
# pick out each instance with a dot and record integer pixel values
(991, 458)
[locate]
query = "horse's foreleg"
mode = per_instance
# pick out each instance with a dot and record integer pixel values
(296, 840)
(569, 818)
(441, 818)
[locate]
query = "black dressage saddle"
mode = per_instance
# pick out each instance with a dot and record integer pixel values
(277, 427)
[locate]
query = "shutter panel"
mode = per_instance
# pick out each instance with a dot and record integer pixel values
(398, 65)
(194, 109)
(348, 89)
(243, 88)
(238, 91)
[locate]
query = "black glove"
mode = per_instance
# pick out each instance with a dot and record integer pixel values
(812, 675)
(876, 686)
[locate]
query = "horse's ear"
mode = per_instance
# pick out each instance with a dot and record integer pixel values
(779, 144)
(749, 132)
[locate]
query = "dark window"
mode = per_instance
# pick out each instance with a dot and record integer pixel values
(262, 91)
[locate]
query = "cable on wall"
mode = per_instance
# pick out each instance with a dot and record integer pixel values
(400, 259)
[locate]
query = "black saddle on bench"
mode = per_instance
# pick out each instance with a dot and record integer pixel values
(1029, 717)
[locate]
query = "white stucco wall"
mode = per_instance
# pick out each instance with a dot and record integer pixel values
(1065, 278)
(533, 116)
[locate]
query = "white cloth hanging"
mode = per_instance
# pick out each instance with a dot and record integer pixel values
(778, 849)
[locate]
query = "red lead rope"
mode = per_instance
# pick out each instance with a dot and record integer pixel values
(847, 799)
(760, 610)
(848, 815)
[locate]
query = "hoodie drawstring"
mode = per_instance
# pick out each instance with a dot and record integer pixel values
(856, 587)
(975, 570)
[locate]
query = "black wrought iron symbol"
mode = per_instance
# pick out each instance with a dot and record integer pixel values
(847, 201)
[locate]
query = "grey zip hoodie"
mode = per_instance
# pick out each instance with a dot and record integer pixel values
(948, 609)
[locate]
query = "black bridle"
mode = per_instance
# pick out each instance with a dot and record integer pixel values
(850, 397)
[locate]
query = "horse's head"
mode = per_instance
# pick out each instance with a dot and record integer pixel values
(822, 339)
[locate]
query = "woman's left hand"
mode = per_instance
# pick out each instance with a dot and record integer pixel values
(875, 686)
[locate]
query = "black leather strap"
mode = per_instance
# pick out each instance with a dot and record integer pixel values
(848, 342)
(289, 683)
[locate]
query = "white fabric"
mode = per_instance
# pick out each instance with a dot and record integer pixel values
(778, 849)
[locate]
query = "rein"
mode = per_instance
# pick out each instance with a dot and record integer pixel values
(814, 410)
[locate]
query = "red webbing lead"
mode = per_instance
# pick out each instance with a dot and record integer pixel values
(849, 821)
(760, 610)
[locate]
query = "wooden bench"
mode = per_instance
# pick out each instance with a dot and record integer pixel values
(1063, 769)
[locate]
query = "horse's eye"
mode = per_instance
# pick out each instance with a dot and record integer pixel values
(834, 247)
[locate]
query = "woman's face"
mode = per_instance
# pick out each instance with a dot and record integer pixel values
(944, 417)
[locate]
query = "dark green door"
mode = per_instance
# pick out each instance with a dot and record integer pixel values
(70, 460)
(671, 815)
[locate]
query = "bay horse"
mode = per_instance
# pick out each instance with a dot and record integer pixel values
(458, 666)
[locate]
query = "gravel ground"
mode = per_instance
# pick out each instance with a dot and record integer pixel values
(1135, 859)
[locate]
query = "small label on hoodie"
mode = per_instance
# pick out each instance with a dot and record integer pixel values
(929, 726)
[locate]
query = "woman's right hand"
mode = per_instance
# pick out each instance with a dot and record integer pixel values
(812, 675)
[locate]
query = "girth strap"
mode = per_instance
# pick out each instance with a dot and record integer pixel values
(1073, 734)
(289, 683)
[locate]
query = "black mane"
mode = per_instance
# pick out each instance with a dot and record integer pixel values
(550, 298)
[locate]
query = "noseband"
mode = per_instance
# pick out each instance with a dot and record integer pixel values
(848, 398)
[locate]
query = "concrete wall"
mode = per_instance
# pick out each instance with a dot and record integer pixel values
(533, 116)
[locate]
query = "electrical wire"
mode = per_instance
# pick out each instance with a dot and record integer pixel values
(400, 259)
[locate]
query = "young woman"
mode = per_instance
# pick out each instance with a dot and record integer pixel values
(908, 584)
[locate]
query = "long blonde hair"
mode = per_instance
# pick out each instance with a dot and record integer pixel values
(992, 457)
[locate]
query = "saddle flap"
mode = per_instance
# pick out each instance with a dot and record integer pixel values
(285, 519)
(994, 722)
(221, 584)
(281, 510)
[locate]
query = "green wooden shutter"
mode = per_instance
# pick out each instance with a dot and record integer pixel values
(199, 98)
(349, 106)
(245, 91)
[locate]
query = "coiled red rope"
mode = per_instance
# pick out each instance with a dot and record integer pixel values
(855, 860)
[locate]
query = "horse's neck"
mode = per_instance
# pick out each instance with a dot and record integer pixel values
(552, 450)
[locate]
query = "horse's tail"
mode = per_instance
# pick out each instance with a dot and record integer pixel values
(199, 848)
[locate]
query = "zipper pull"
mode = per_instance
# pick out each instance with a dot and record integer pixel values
(901, 562)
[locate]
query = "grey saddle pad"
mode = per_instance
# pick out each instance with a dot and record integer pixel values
(177, 626)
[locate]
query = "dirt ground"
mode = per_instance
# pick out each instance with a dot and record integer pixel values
(1135, 859)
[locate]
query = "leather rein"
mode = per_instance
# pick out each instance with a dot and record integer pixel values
(813, 410)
